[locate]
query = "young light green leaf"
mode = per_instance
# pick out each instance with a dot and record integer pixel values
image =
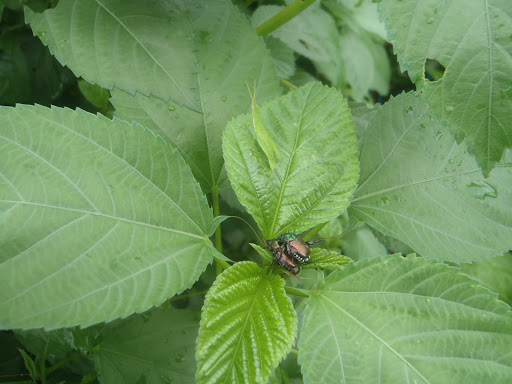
(419, 186)
(260, 131)
(100, 219)
(472, 41)
(324, 259)
(247, 327)
(216, 222)
(265, 255)
(403, 320)
(183, 65)
(124, 356)
(29, 364)
(316, 174)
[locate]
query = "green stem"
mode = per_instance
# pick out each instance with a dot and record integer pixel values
(295, 351)
(296, 292)
(220, 264)
(283, 17)
(287, 84)
(314, 231)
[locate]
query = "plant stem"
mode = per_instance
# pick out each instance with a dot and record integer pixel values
(295, 351)
(218, 232)
(286, 83)
(314, 231)
(283, 17)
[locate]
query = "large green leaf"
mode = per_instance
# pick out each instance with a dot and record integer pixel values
(471, 39)
(419, 186)
(122, 44)
(316, 174)
(183, 64)
(155, 347)
(405, 320)
(99, 219)
(248, 325)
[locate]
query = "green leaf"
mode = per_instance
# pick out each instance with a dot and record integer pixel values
(247, 327)
(265, 255)
(50, 345)
(324, 259)
(109, 43)
(362, 244)
(94, 94)
(494, 273)
(263, 137)
(316, 174)
(400, 320)
(155, 347)
(361, 115)
(216, 222)
(184, 66)
(283, 57)
(302, 33)
(366, 64)
(29, 364)
(100, 219)
(419, 186)
(472, 41)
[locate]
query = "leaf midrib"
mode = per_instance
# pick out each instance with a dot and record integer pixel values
(100, 214)
(373, 334)
(147, 51)
(109, 153)
(240, 338)
(288, 166)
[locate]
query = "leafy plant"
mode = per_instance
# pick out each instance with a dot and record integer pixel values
(107, 223)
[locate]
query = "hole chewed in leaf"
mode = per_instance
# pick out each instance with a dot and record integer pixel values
(434, 70)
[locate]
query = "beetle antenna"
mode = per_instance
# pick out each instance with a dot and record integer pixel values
(250, 226)
(351, 226)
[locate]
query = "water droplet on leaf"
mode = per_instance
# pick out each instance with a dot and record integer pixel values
(450, 107)
(384, 201)
(224, 98)
(171, 108)
(431, 20)
(180, 358)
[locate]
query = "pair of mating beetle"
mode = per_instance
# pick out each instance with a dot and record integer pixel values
(290, 251)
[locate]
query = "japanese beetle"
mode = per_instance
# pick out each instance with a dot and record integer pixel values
(282, 257)
(296, 247)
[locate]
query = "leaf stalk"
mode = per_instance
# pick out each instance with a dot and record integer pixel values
(283, 17)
